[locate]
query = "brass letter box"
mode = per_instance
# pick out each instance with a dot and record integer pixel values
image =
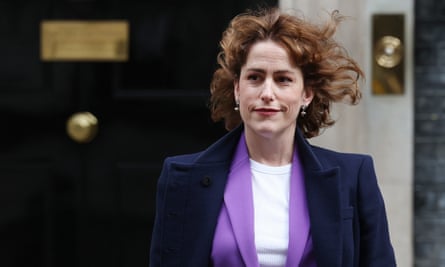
(84, 40)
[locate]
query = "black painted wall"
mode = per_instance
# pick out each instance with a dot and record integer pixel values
(429, 218)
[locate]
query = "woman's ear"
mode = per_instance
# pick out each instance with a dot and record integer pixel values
(236, 89)
(308, 95)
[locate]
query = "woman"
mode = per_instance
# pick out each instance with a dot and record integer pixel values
(262, 195)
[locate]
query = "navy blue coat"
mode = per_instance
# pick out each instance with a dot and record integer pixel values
(346, 209)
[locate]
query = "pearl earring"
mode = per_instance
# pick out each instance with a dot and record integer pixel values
(303, 110)
(236, 108)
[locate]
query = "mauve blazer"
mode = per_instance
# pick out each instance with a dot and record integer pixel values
(346, 209)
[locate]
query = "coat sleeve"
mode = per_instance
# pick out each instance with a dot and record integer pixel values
(375, 245)
(156, 239)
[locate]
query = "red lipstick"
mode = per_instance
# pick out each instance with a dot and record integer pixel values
(266, 111)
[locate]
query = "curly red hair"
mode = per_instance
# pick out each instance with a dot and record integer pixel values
(327, 69)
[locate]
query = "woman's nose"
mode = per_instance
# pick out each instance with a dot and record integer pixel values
(267, 94)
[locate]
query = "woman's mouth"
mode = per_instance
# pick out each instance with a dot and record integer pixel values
(267, 111)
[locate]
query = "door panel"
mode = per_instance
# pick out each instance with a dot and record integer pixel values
(26, 214)
(71, 204)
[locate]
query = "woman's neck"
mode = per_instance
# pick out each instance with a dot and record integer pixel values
(274, 150)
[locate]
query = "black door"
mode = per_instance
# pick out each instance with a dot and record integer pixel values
(65, 203)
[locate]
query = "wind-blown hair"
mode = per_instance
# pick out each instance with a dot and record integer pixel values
(327, 69)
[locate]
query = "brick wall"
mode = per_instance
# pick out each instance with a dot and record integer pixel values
(429, 195)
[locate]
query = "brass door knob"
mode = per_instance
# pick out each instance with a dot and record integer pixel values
(82, 127)
(389, 51)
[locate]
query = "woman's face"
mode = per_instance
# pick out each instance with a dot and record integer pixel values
(270, 91)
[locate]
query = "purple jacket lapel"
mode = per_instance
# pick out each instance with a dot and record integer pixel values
(299, 223)
(239, 207)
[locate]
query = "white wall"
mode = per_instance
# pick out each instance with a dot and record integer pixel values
(380, 125)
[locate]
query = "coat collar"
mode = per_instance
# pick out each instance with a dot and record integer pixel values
(223, 149)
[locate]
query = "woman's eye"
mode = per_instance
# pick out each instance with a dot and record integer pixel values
(253, 77)
(284, 79)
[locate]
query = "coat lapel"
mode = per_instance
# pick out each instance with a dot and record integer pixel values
(298, 214)
(323, 194)
(197, 197)
(239, 203)
(324, 205)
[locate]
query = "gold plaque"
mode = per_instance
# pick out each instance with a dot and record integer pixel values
(388, 65)
(84, 40)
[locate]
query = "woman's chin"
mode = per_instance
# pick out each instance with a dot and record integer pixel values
(266, 131)
(270, 130)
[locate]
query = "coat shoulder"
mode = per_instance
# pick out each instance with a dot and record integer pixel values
(183, 158)
(220, 151)
(331, 158)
